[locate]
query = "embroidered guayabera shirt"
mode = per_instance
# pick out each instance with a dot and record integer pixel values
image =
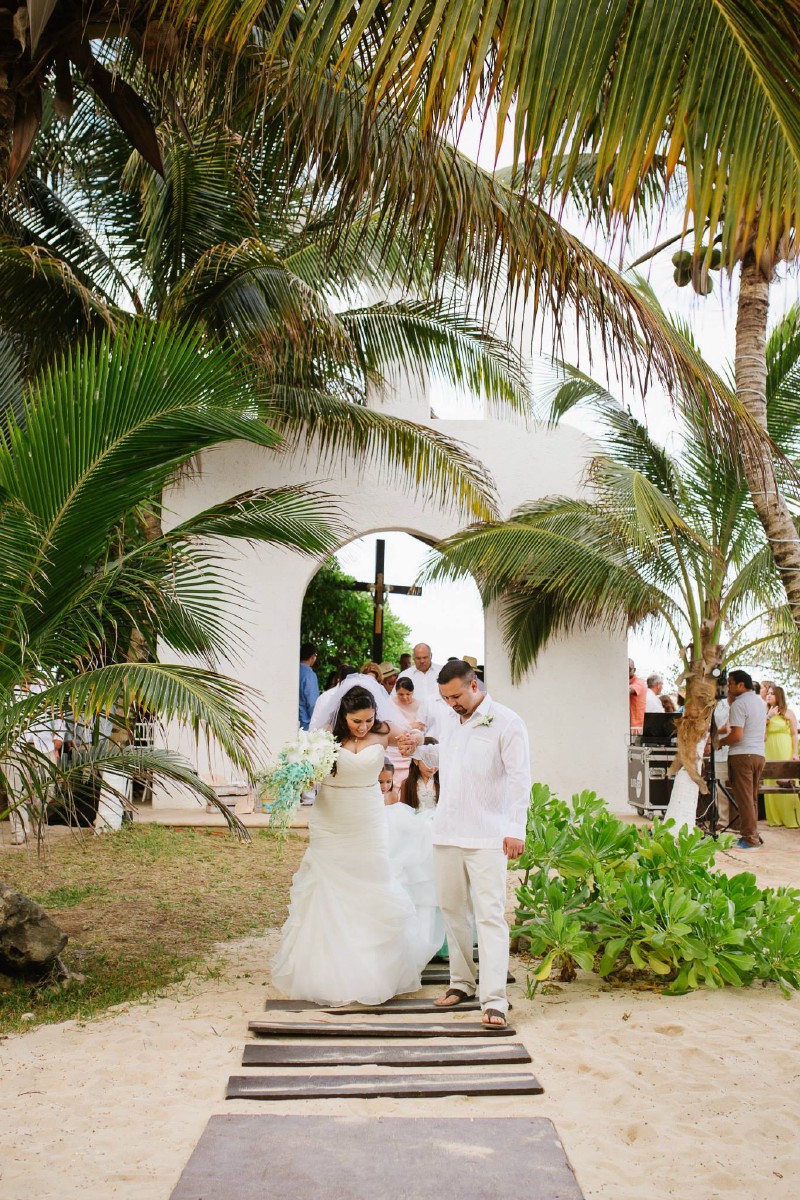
(484, 778)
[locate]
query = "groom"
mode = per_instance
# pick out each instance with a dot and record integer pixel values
(480, 821)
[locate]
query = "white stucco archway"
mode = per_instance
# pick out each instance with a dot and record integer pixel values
(574, 702)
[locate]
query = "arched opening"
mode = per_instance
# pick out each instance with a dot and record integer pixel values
(448, 616)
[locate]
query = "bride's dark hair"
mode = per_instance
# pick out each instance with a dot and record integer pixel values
(353, 701)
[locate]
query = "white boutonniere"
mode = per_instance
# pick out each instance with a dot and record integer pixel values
(485, 721)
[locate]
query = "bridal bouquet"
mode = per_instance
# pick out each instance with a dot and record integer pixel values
(300, 764)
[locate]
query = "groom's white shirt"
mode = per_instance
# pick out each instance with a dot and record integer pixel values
(484, 778)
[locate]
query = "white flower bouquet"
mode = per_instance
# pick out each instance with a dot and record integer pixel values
(300, 764)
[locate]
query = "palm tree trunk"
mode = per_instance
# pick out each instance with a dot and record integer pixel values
(700, 689)
(759, 469)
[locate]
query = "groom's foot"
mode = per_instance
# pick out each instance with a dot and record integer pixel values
(493, 1016)
(452, 998)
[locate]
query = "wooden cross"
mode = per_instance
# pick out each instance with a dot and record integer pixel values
(379, 590)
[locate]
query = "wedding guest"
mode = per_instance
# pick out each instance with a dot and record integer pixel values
(309, 686)
(408, 713)
(410, 706)
(479, 824)
(420, 788)
(668, 704)
(780, 745)
(747, 725)
(652, 700)
(373, 669)
(389, 672)
(405, 662)
(386, 780)
(424, 672)
(637, 689)
(473, 662)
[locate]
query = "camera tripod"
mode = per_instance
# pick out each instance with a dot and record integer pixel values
(708, 817)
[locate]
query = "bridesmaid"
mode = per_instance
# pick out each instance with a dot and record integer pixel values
(780, 745)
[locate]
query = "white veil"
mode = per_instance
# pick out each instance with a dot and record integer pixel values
(326, 709)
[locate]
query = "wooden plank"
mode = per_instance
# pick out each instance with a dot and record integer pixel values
(776, 769)
(313, 1087)
(360, 1029)
(417, 1004)
(262, 1156)
(442, 975)
(270, 1054)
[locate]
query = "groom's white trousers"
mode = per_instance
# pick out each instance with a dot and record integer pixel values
(482, 873)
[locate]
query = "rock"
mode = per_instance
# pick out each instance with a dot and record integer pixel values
(30, 942)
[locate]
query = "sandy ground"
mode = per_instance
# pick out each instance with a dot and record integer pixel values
(694, 1097)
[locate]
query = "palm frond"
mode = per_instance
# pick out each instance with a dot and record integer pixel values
(783, 382)
(203, 702)
(712, 83)
(552, 564)
(244, 293)
(11, 403)
(295, 517)
(427, 337)
(107, 427)
(411, 455)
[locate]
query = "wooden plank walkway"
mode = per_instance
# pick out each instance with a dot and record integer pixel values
(450, 1054)
(377, 1029)
(416, 1086)
(411, 1004)
(244, 1156)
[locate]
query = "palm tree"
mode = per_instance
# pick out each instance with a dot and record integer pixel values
(667, 539)
(215, 245)
(388, 171)
(83, 448)
(708, 90)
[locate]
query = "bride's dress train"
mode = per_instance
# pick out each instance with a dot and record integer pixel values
(411, 854)
(352, 934)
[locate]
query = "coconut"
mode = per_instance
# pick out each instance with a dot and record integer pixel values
(681, 277)
(682, 259)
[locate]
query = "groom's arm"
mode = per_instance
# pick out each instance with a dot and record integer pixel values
(515, 754)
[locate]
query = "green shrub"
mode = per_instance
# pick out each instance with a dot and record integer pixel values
(619, 900)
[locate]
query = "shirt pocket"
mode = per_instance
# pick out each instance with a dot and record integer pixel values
(481, 756)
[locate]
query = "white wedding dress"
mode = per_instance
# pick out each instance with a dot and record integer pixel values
(352, 934)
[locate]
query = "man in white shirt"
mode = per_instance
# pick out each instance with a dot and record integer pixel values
(480, 823)
(423, 674)
(747, 729)
(652, 701)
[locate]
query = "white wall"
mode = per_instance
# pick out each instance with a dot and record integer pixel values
(574, 702)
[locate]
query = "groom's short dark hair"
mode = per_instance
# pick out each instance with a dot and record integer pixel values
(456, 668)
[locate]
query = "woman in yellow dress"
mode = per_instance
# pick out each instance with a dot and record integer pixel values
(780, 745)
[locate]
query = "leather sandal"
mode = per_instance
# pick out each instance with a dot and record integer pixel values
(491, 1023)
(461, 997)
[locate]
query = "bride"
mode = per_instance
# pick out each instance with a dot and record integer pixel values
(352, 934)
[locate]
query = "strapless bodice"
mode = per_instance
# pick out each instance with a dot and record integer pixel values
(357, 770)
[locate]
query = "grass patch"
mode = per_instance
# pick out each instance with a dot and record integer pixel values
(142, 908)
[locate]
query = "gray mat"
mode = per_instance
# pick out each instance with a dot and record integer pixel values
(449, 1054)
(411, 1087)
(381, 1029)
(265, 1157)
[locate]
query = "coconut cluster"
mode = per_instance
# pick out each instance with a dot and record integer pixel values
(693, 268)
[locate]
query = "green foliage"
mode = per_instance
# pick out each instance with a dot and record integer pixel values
(339, 623)
(83, 447)
(608, 897)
